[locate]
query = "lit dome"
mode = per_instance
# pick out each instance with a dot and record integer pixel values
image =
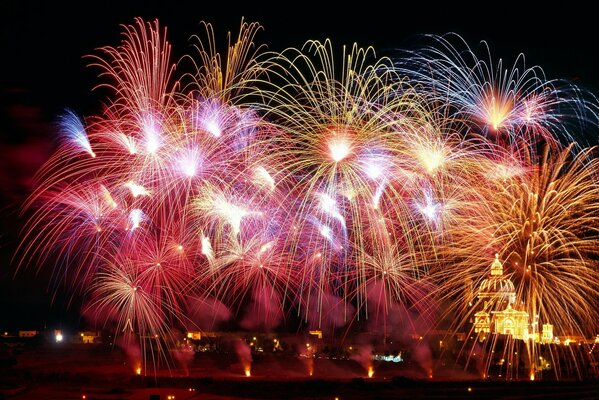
(496, 285)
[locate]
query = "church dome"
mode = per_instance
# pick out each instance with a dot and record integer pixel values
(496, 285)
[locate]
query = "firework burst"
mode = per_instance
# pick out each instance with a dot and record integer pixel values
(507, 104)
(295, 182)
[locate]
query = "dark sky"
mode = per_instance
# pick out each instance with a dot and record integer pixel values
(42, 72)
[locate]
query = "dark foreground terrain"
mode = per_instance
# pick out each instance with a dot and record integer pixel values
(309, 389)
(96, 373)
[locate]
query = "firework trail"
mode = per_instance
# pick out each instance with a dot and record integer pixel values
(334, 187)
(508, 104)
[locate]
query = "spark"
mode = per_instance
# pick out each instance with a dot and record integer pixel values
(128, 142)
(135, 218)
(265, 247)
(151, 134)
(231, 213)
(374, 171)
(137, 190)
(207, 247)
(339, 148)
(430, 209)
(497, 112)
(329, 206)
(432, 156)
(326, 232)
(211, 125)
(262, 177)
(72, 126)
(189, 162)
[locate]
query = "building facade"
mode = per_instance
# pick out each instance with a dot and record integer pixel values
(497, 310)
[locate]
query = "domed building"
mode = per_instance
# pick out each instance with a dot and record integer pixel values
(497, 298)
(497, 289)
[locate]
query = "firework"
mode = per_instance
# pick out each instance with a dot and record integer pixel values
(543, 222)
(338, 188)
(508, 104)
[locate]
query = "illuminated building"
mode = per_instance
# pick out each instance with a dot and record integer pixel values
(497, 289)
(511, 322)
(27, 334)
(194, 335)
(547, 333)
(317, 333)
(482, 322)
(497, 295)
(89, 337)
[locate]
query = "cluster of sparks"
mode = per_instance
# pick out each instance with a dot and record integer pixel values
(282, 183)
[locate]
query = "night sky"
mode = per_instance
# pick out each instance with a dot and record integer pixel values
(43, 72)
